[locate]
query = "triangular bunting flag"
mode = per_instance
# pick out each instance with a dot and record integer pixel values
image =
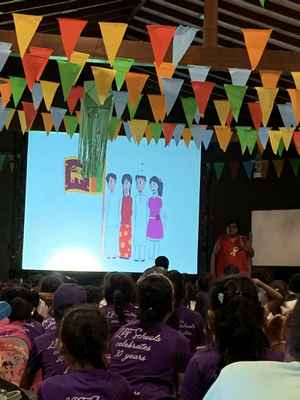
(223, 110)
(266, 99)
(156, 130)
(187, 136)
(30, 113)
(33, 67)
(79, 58)
(168, 130)
(160, 38)
(122, 66)
(17, 87)
(189, 106)
(256, 114)
(287, 137)
(25, 27)
(202, 91)
(234, 167)
(278, 165)
(297, 141)
(22, 120)
(197, 117)
(295, 164)
(295, 99)
(198, 73)
(48, 89)
(78, 116)
(3, 58)
(148, 134)
(68, 73)
(269, 79)
(158, 106)
(296, 77)
(219, 168)
(235, 95)
(206, 136)
(37, 95)
(183, 39)
(3, 117)
(11, 113)
(57, 116)
(287, 115)
(256, 41)
(127, 130)
(47, 121)
(70, 30)
(239, 76)
(114, 128)
(43, 52)
(248, 137)
(263, 2)
(120, 100)
(75, 95)
(133, 108)
(138, 127)
(178, 132)
(112, 35)
(275, 138)
(281, 148)
(135, 84)
(196, 132)
(103, 78)
(263, 135)
(248, 166)
(165, 70)
(71, 123)
(171, 90)
(224, 135)
(5, 92)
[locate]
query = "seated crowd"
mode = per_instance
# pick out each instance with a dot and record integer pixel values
(146, 340)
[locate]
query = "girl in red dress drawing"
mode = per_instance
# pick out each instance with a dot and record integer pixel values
(125, 239)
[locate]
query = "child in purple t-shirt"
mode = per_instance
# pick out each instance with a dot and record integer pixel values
(151, 355)
(238, 331)
(83, 342)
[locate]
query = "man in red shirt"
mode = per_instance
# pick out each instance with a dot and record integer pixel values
(231, 249)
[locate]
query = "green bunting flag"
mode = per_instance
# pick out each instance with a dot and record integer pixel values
(190, 107)
(219, 167)
(156, 130)
(114, 128)
(122, 66)
(71, 123)
(68, 73)
(295, 164)
(263, 2)
(17, 86)
(248, 137)
(235, 95)
(281, 148)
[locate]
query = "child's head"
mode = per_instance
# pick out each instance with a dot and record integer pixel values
(179, 286)
(21, 301)
(66, 296)
(155, 298)
(84, 337)
(93, 293)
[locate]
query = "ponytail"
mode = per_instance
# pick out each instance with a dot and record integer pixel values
(119, 305)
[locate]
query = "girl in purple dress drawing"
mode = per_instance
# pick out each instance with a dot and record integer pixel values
(155, 230)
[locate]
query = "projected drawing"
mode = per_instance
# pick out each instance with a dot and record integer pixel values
(112, 217)
(126, 216)
(140, 210)
(155, 230)
(74, 181)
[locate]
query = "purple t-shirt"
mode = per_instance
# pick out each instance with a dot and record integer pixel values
(33, 329)
(45, 356)
(130, 313)
(191, 326)
(49, 324)
(203, 370)
(96, 384)
(150, 359)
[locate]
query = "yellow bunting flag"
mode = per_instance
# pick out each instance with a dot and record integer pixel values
(5, 91)
(269, 78)
(295, 99)
(22, 120)
(79, 58)
(137, 128)
(256, 41)
(11, 113)
(165, 70)
(112, 35)
(48, 121)
(187, 136)
(275, 137)
(148, 134)
(78, 115)
(296, 77)
(135, 84)
(266, 99)
(224, 135)
(158, 106)
(278, 165)
(223, 110)
(25, 26)
(287, 136)
(48, 90)
(103, 78)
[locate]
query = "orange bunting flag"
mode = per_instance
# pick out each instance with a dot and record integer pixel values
(297, 141)
(148, 134)
(295, 99)
(5, 92)
(160, 37)
(75, 95)
(202, 91)
(256, 114)
(269, 79)
(278, 166)
(34, 64)
(165, 70)
(48, 121)
(158, 106)
(103, 78)
(30, 113)
(275, 138)
(168, 130)
(256, 41)
(25, 27)
(287, 136)
(135, 84)
(48, 90)
(137, 128)
(22, 120)
(70, 31)
(187, 136)
(223, 109)
(266, 99)
(224, 135)
(112, 35)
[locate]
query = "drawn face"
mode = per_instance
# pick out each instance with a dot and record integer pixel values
(140, 184)
(154, 187)
(111, 184)
(126, 187)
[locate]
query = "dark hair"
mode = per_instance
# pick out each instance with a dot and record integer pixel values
(233, 221)
(162, 261)
(111, 175)
(294, 283)
(238, 320)
(231, 270)
(126, 177)
(159, 183)
(140, 177)
(155, 298)
(179, 293)
(93, 294)
(84, 335)
(119, 290)
(51, 282)
(21, 301)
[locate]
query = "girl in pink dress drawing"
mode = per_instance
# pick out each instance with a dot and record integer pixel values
(155, 230)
